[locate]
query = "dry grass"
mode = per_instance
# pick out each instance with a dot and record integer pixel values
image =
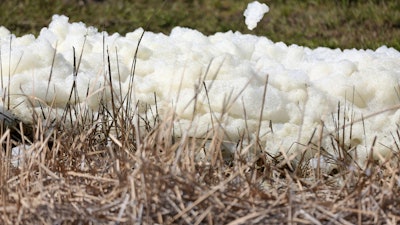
(78, 179)
(104, 171)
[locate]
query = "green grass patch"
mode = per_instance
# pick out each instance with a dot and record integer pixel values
(313, 23)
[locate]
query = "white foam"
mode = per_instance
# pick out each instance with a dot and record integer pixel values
(304, 85)
(254, 13)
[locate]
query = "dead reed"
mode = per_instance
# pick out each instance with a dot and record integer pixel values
(92, 177)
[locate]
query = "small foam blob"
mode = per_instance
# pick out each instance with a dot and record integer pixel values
(254, 13)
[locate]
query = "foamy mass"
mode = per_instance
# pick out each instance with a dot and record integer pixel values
(216, 80)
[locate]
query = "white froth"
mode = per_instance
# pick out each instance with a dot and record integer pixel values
(304, 88)
(254, 13)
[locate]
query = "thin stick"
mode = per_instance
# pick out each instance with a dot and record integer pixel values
(261, 114)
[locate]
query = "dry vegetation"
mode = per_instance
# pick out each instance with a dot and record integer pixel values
(73, 176)
(101, 169)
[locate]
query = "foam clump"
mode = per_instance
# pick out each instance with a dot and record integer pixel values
(221, 77)
(254, 13)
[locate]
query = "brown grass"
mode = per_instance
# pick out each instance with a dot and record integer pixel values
(100, 171)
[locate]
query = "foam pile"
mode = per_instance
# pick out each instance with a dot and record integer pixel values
(304, 85)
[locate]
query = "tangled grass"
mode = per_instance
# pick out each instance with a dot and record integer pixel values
(120, 167)
(101, 169)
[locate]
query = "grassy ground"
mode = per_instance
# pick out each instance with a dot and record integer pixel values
(103, 171)
(335, 23)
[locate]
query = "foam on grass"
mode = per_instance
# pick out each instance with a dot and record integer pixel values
(183, 68)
